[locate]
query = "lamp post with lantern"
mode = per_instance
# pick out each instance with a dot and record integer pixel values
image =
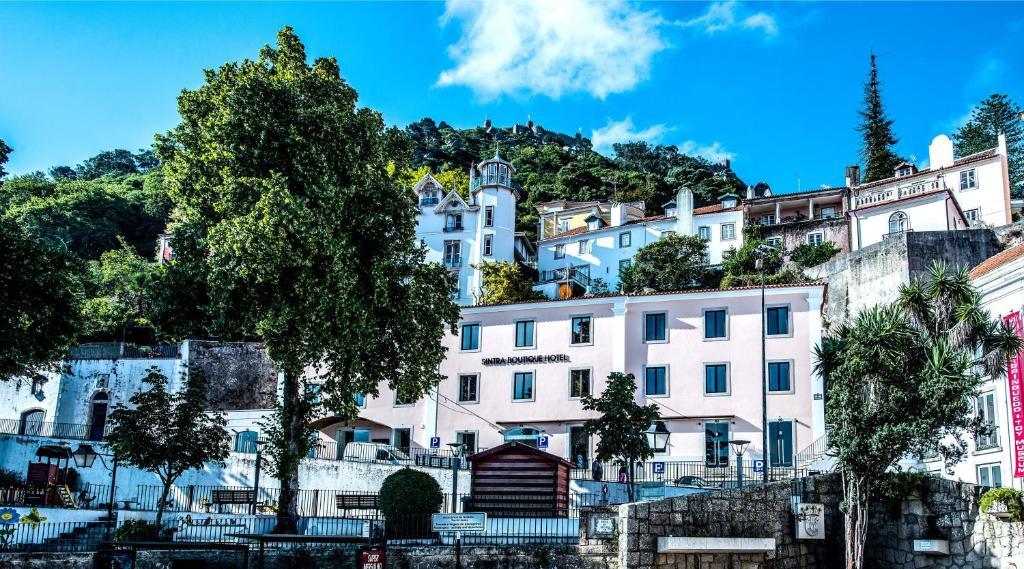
(85, 455)
(739, 447)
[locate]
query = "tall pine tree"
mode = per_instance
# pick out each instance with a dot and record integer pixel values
(880, 158)
(996, 114)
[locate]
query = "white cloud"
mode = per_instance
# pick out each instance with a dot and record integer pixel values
(714, 152)
(551, 48)
(723, 16)
(624, 131)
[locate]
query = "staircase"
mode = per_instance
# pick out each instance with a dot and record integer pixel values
(67, 498)
(84, 537)
(814, 457)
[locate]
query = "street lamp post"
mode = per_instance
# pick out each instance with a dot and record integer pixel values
(85, 456)
(762, 252)
(256, 478)
(457, 449)
(739, 446)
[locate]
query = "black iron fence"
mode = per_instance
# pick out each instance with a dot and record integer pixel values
(73, 431)
(689, 473)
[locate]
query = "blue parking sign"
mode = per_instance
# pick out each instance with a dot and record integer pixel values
(758, 466)
(543, 441)
(658, 468)
(435, 442)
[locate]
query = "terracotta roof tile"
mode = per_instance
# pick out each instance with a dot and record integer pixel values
(716, 208)
(976, 157)
(998, 260)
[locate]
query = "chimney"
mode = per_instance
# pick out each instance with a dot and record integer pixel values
(852, 175)
(750, 192)
(940, 152)
(684, 211)
(1001, 142)
(618, 214)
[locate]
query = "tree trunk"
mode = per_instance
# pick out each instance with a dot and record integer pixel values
(856, 493)
(162, 504)
(293, 432)
(629, 480)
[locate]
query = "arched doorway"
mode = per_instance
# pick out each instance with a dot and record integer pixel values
(31, 422)
(98, 421)
(898, 222)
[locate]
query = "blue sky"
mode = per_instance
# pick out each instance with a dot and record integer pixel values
(775, 86)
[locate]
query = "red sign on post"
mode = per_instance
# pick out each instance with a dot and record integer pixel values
(1015, 395)
(372, 559)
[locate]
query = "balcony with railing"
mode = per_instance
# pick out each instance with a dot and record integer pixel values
(795, 218)
(453, 261)
(453, 228)
(580, 275)
(424, 202)
(490, 180)
(122, 350)
(883, 195)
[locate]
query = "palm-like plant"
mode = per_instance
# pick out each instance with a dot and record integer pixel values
(901, 380)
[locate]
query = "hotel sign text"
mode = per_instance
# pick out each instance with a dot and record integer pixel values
(514, 360)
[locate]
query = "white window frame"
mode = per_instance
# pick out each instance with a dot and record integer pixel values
(476, 437)
(774, 241)
(988, 466)
(703, 323)
(820, 235)
(489, 216)
(767, 219)
(489, 245)
(704, 232)
(732, 232)
(448, 261)
(395, 402)
(559, 251)
(515, 333)
(704, 379)
(828, 212)
(533, 385)
(789, 320)
(668, 381)
(590, 382)
(583, 247)
(792, 376)
(574, 316)
(628, 239)
(643, 332)
(458, 388)
(971, 181)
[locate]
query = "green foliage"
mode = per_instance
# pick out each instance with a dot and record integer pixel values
(138, 530)
(1008, 497)
(622, 422)
(808, 255)
(504, 281)
(5, 152)
(895, 487)
(40, 302)
(996, 114)
(121, 283)
(901, 378)
(450, 178)
(293, 220)
(168, 433)
(598, 286)
(10, 478)
(877, 150)
(410, 491)
(674, 262)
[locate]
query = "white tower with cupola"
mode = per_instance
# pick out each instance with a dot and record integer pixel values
(492, 190)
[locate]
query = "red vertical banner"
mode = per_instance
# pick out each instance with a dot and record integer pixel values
(1015, 395)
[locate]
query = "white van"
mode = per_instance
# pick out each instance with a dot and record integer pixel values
(375, 452)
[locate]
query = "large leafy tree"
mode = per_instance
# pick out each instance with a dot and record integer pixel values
(505, 281)
(674, 262)
(901, 380)
(5, 152)
(120, 285)
(289, 208)
(996, 114)
(40, 302)
(878, 147)
(622, 423)
(168, 433)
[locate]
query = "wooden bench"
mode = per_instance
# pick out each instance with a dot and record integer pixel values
(231, 497)
(345, 502)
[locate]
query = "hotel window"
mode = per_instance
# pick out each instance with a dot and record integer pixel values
(579, 383)
(559, 251)
(468, 384)
(655, 381)
(403, 399)
(581, 330)
(625, 239)
(453, 222)
(470, 337)
(489, 216)
(989, 437)
(780, 443)
(778, 320)
(453, 253)
(990, 475)
(968, 180)
(579, 446)
(714, 323)
(654, 327)
(524, 333)
(815, 238)
(468, 441)
(827, 212)
(728, 231)
(715, 379)
(488, 245)
(716, 443)
(779, 376)
(704, 232)
(584, 247)
(522, 386)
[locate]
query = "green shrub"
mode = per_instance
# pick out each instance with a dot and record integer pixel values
(811, 254)
(10, 478)
(1009, 497)
(895, 487)
(137, 530)
(410, 491)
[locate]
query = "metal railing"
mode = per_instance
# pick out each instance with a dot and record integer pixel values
(72, 431)
(489, 180)
(580, 275)
(814, 451)
(890, 194)
(453, 228)
(690, 473)
(121, 350)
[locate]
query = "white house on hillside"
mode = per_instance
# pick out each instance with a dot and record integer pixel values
(951, 194)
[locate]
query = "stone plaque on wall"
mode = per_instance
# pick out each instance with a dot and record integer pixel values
(810, 521)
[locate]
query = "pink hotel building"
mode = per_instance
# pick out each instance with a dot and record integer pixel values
(517, 371)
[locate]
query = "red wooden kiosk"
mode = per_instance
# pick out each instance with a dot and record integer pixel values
(515, 480)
